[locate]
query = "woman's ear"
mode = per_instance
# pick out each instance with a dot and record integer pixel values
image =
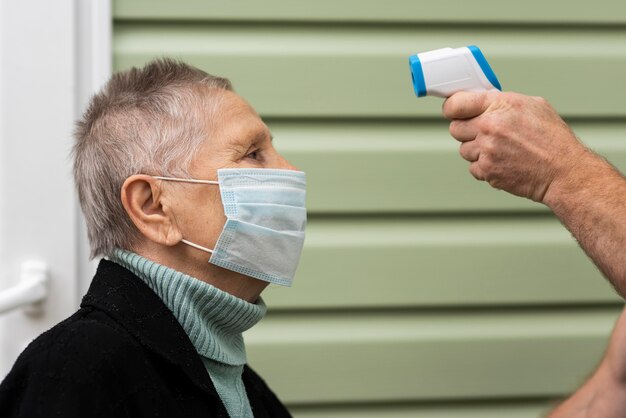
(142, 199)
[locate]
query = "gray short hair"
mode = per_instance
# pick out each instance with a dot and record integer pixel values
(144, 120)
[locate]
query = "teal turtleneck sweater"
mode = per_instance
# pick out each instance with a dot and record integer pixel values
(213, 319)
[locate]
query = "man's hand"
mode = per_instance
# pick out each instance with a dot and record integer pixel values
(516, 143)
(520, 144)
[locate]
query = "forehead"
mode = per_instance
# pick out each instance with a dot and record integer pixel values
(234, 119)
(234, 127)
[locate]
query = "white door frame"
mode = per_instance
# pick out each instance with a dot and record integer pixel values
(53, 55)
(94, 64)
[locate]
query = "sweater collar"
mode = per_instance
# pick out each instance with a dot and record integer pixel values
(213, 320)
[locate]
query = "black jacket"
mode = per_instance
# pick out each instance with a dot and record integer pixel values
(122, 354)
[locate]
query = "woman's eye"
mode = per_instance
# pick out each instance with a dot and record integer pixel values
(252, 155)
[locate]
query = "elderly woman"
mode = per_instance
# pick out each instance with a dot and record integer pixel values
(195, 213)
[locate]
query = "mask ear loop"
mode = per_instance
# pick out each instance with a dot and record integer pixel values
(199, 247)
(186, 180)
(191, 244)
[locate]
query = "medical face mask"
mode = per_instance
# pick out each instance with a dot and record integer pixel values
(266, 217)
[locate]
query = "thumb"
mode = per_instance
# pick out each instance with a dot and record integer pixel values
(466, 105)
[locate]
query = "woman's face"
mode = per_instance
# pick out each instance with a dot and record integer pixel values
(239, 139)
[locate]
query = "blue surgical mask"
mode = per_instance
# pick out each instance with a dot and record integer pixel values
(266, 218)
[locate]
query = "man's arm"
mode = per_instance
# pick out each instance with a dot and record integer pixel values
(604, 394)
(520, 144)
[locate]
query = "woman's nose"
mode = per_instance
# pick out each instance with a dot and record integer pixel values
(282, 163)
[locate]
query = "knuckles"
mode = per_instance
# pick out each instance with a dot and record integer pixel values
(513, 99)
(489, 124)
(487, 165)
(488, 148)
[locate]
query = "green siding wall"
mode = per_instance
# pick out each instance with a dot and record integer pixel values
(421, 292)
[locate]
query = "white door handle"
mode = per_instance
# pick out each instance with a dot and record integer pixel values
(31, 289)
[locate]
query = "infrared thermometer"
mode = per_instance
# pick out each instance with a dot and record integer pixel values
(443, 72)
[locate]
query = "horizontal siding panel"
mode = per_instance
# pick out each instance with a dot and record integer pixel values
(421, 292)
(413, 356)
(430, 262)
(528, 409)
(395, 11)
(293, 71)
(405, 167)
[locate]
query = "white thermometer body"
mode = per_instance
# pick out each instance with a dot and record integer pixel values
(443, 72)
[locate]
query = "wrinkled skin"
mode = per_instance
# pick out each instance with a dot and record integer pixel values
(515, 143)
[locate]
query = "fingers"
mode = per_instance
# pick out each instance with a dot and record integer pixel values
(466, 105)
(476, 171)
(470, 151)
(464, 130)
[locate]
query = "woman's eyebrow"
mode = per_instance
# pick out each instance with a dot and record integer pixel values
(262, 135)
